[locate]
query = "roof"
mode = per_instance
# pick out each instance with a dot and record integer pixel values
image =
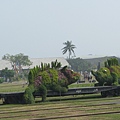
(4, 64)
(90, 56)
(35, 61)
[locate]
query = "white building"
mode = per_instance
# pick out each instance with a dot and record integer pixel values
(35, 61)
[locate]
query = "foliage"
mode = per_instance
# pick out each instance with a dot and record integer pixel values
(62, 79)
(7, 74)
(1, 80)
(59, 88)
(17, 61)
(95, 61)
(46, 78)
(115, 78)
(56, 64)
(28, 95)
(79, 64)
(31, 77)
(43, 91)
(115, 69)
(109, 74)
(111, 62)
(53, 75)
(68, 47)
(50, 78)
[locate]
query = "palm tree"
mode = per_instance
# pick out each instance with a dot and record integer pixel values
(68, 47)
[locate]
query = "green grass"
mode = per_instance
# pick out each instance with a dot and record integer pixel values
(13, 87)
(21, 86)
(46, 109)
(75, 85)
(61, 108)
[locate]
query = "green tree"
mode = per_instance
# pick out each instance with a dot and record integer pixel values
(7, 74)
(69, 47)
(17, 61)
(79, 64)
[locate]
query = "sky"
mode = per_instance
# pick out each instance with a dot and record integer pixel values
(38, 28)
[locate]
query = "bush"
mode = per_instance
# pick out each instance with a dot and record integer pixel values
(43, 91)
(115, 78)
(28, 95)
(58, 88)
(45, 78)
(103, 77)
(64, 90)
(31, 77)
(53, 75)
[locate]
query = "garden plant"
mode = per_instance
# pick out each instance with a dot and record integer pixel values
(49, 77)
(108, 75)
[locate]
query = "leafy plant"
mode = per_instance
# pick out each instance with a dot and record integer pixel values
(108, 75)
(46, 78)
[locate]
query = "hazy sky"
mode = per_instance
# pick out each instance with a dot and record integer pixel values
(38, 28)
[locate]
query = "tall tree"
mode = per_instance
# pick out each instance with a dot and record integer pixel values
(69, 47)
(17, 61)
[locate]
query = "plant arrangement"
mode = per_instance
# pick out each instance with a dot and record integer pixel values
(108, 75)
(49, 77)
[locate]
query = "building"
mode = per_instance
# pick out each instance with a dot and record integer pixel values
(35, 61)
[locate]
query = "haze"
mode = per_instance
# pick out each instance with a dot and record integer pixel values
(38, 28)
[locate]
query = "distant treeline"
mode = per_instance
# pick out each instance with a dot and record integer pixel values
(79, 64)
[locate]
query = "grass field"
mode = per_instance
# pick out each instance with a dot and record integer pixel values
(13, 87)
(80, 107)
(21, 86)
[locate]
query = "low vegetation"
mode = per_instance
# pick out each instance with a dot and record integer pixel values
(49, 77)
(13, 86)
(108, 75)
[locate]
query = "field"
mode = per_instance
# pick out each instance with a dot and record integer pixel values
(81, 107)
(21, 86)
(77, 109)
(13, 87)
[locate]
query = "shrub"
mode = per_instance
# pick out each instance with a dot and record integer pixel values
(28, 96)
(108, 75)
(103, 77)
(31, 77)
(45, 78)
(53, 75)
(43, 91)
(115, 78)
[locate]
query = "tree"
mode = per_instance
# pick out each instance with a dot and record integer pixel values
(17, 61)
(79, 64)
(7, 74)
(69, 47)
